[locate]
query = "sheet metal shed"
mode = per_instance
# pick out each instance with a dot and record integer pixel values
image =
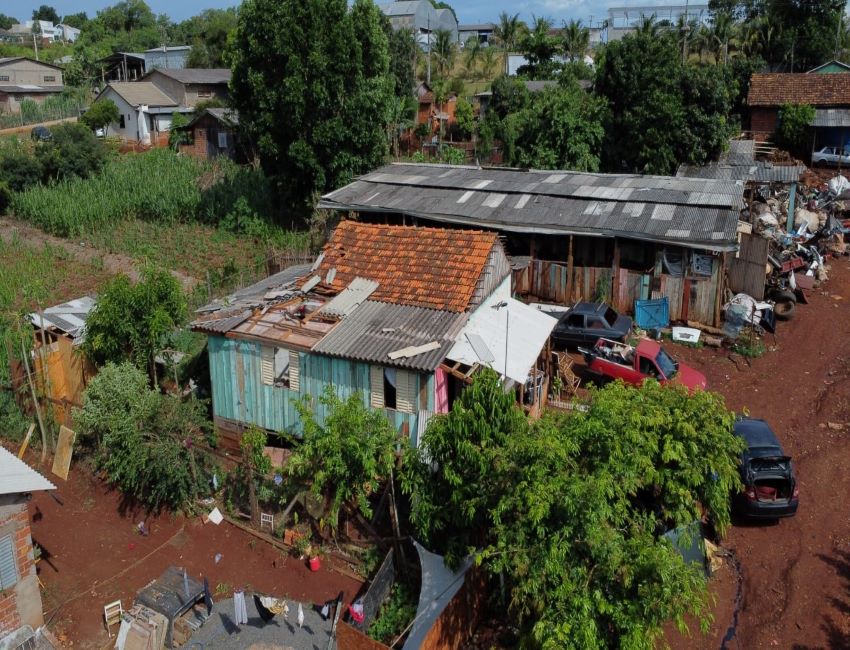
(689, 212)
(172, 595)
(16, 477)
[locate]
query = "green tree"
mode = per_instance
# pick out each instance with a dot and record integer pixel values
(403, 54)
(346, 457)
(562, 128)
(330, 80)
(46, 12)
(472, 52)
(570, 510)
(208, 33)
(6, 22)
(178, 134)
(402, 115)
(539, 48)
(464, 117)
(661, 112)
(100, 114)
(575, 40)
(444, 50)
(73, 152)
(508, 33)
(149, 444)
(489, 59)
(130, 321)
(794, 130)
(77, 20)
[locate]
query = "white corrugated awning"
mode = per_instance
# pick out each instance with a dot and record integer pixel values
(17, 477)
(508, 328)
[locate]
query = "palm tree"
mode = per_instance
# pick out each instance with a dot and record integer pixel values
(576, 40)
(648, 26)
(472, 51)
(402, 114)
(488, 62)
(444, 51)
(723, 33)
(508, 33)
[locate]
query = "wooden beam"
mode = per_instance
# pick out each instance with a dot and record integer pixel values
(570, 287)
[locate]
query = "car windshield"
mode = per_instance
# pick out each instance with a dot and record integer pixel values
(666, 364)
(610, 317)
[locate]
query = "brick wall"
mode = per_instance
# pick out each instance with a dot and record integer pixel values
(198, 148)
(20, 604)
(763, 121)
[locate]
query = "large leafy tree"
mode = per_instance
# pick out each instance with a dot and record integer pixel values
(208, 33)
(149, 444)
(560, 129)
(46, 12)
(319, 114)
(571, 510)
(662, 112)
(100, 114)
(539, 48)
(403, 54)
(131, 321)
(7, 21)
(347, 456)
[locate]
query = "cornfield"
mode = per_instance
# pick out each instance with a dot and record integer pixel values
(155, 186)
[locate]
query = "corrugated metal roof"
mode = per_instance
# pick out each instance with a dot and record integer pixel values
(69, 317)
(507, 327)
(831, 117)
(17, 477)
(137, 93)
(375, 329)
(224, 314)
(753, 171)
(637, 207)
(210, 76)
(347, 300)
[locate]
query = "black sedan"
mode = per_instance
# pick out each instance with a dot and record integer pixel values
(586, 322)
(770, 488)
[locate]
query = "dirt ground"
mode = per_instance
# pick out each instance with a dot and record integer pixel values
(795, 587)
(92, 554)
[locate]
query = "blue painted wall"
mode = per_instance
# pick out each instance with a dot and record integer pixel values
(239, 394)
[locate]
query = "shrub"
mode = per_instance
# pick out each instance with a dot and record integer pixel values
(101, 114)
(19, 169)
(149, 444)
(73, 152)
(793, 131)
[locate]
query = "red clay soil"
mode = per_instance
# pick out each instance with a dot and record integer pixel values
(795, 572)
(93, 555)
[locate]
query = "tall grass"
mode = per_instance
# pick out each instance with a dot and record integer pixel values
(155, 186)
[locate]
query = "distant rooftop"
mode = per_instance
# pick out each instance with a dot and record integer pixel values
(196, 75)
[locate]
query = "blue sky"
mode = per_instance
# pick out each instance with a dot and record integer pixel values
(468, 11)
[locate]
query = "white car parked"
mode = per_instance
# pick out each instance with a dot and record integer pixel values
(831, 156)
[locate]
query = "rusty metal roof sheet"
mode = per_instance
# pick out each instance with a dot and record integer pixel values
(375, 329)
(68, 318)
(649, 208)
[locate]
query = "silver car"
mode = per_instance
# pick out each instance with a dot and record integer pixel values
(831, 156)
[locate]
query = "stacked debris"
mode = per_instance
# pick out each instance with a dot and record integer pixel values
(797, 251)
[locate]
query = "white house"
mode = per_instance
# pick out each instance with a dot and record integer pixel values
(69, 34)
(47, 29)
(144, 110)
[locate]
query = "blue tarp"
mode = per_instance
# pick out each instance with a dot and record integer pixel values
(652, 314)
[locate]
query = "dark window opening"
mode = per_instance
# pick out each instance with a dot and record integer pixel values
(121, 122)
(637, 256)
(593, 252)
(389, 388)
(49, 78)
(575, 320)
(647, 367)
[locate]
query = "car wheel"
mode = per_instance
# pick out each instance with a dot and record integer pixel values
(785, 310)
(783, 295)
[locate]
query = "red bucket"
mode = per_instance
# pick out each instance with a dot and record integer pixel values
(315, 565)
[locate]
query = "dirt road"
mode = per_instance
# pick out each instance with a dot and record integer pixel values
(796, 572)
(113, 263)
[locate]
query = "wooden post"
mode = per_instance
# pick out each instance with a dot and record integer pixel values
(570, 270)
(615, 276)
(719, 288)
(34, 400)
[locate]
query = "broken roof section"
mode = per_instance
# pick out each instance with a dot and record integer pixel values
(394, 335)
(391, 295)
(695, 213)
(436, 268)
(505, 335)
(68, 319)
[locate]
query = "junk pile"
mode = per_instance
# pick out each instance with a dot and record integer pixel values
(796, 255)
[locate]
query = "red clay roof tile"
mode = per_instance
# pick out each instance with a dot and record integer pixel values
(437, 268)
(775, 89)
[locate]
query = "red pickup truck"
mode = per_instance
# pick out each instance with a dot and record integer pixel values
(634, 364)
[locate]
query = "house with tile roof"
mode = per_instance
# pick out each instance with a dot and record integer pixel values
(828, 94)
(574, 236)
(403, 316)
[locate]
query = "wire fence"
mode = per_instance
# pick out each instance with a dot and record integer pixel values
(52, 108)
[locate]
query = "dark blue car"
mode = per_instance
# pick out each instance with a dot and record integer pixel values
(770, 489)
(586, 322)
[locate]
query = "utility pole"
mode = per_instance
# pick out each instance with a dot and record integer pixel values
(838, 35)
(428, 76)
(35, 45)
(685, 36)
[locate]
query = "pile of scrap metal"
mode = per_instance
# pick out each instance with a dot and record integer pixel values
(797, 248)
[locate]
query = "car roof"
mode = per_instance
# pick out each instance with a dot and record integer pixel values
(757, 433)
(588, 308)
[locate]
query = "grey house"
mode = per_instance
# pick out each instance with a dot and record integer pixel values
(421, 18)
